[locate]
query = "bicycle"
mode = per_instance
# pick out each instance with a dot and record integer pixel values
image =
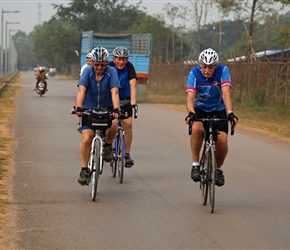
(100, 119)
(119, 146)
(208, 165)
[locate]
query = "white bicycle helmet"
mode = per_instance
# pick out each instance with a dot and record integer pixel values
(100, 54)
(121, 52)
(208, 57)
(89, 56)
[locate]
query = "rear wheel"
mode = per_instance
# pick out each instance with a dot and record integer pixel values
(96, 166)
(212, 168)
(121, 156)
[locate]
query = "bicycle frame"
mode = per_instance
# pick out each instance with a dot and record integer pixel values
(96, 162)
(120, 147)
(208, 167)
(208, 162)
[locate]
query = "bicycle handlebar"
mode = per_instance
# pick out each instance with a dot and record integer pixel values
(122, 115)
(213, 120)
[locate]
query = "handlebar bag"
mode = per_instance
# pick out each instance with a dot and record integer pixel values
(100, 119)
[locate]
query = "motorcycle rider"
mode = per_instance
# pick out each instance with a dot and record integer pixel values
(41, 77)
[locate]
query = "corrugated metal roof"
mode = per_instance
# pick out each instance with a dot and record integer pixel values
(259, 54)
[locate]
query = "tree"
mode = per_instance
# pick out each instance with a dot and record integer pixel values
(258, 6)
(282, 35)
(54, 44)
(200, 12)
(159, 33)
(285, 2)
(23, 46)
(183, 14)
(172, 13)
(107, 16)
(224, 8)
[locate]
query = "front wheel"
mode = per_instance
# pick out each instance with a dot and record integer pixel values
(121, 156)
(204, 184)
(114, 162)
(96, 166)
(212, 168)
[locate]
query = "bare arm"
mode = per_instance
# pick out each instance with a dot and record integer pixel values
(226, 91)
(115, 98)
(133, 86)
(190, 100)
(80, 96)
(226, 94)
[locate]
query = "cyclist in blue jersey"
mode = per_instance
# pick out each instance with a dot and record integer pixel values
(98, 87)
(208, 94)
(128, 81)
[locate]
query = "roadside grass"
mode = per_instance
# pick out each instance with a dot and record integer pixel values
(7, 104)
(259, 116)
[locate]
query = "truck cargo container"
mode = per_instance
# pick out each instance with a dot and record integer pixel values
(139, 45)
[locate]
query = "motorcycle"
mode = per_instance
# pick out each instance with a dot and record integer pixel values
(41, 88)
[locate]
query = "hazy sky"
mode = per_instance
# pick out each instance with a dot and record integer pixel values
(34, 12)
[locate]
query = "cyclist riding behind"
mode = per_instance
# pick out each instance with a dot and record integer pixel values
(89, 62)
(128, 81)
(98, 87)
(208, 94)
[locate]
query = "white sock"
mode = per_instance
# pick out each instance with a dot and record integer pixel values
(220, 168)
(194, 164)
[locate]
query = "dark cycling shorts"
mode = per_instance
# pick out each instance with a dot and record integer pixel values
(221, 126)
(126, 107)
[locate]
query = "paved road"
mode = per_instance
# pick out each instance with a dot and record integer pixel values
(157, 206)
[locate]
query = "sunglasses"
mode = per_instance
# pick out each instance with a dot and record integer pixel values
(100, 64)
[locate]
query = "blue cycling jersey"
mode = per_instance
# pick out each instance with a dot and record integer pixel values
(208, 90)
(98, 94)
(125, 75)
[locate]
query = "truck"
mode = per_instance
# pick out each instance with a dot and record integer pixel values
(139, 45)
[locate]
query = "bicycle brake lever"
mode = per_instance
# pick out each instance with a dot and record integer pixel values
(135, 111)
(232, 129)
(190, 127)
